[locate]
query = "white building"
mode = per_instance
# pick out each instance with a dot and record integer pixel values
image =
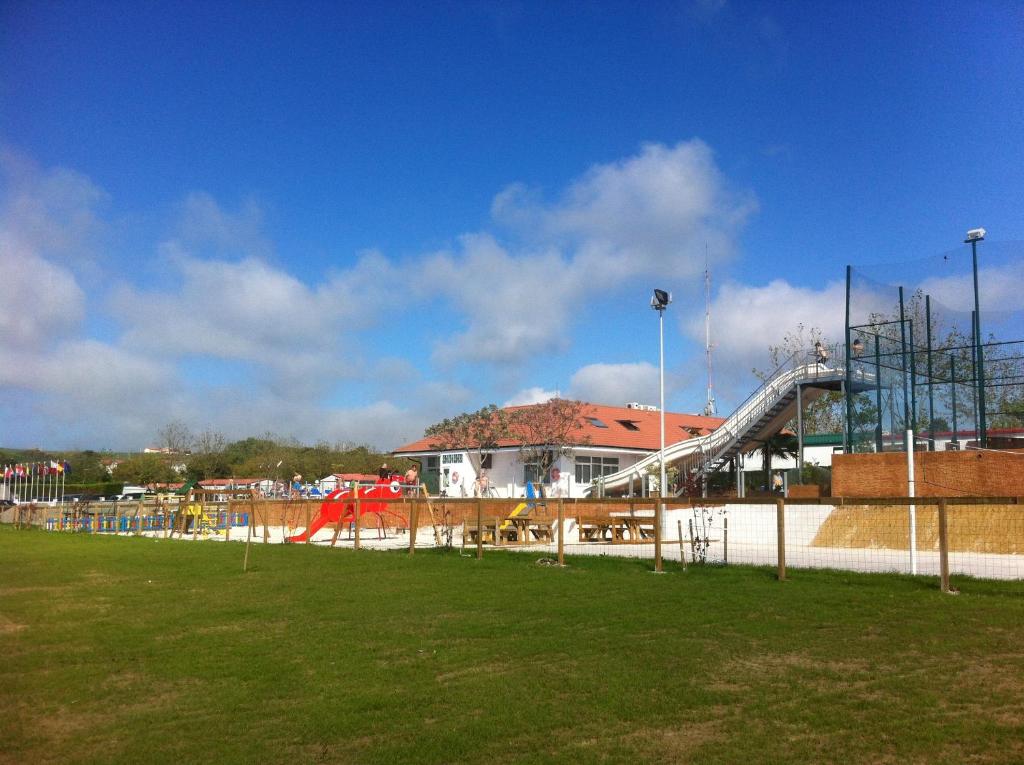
(611, 438)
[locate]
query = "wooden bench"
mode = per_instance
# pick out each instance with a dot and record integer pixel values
(639, 529)
(521, 528)
(595, 529)
(470, 532)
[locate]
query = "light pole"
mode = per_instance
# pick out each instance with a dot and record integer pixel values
(659, 302)
(974, 236)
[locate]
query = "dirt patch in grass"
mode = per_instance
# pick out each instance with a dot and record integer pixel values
(9, 626)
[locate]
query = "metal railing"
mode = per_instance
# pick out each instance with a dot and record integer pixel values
(800, 368)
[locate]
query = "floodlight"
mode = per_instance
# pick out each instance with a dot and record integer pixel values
(858, 347)
(975, 235)
(660, 300)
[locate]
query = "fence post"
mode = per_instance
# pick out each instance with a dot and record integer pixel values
(780, 531)
(249, 531)
(659, 509)
(561, 532)
(725, 539)
(413, 523)
(355, 543)
(308, 535)
(479, 529)
(682, 553)
(943, 547)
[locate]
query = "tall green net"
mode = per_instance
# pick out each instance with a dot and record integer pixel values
(921, 360)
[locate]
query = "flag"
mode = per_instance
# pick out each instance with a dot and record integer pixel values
(66, 466)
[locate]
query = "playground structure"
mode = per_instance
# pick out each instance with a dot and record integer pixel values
(343, 506)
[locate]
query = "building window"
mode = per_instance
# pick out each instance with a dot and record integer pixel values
(591, 468)
(595, 422)
(531, 474)
(629, 424)
(486, 461)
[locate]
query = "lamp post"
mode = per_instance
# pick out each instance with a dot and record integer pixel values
(974, 236)
(659, 302)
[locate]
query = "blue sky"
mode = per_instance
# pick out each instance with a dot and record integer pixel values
(345, 222)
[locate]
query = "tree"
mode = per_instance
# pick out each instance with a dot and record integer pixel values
(548, 431)
(824, 414)
(479, 433)
(782, 446)
(144, 469)
(175, 437)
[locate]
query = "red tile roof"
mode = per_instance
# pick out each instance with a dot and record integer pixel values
(645, 436)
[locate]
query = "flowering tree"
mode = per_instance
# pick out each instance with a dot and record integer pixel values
(479, 433)
(548, 431)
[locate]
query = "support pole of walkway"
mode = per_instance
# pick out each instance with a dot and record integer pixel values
(800, 433)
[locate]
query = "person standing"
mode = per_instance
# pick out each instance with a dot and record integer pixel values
(482, 484)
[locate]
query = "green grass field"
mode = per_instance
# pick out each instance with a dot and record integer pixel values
(136, 650)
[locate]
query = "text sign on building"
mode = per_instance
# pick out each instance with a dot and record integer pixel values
(451, 459)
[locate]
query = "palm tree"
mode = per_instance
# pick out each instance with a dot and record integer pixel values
(781, 445)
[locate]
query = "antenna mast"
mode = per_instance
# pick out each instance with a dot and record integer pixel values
(709, 407)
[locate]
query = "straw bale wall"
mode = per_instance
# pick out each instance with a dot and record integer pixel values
(972, 528)
(936, 474)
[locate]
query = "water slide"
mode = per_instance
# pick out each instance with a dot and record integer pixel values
(340, 507)
(760, 416)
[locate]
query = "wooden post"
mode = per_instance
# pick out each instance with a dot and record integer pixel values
(561, 532)
(195, 518)
(430, 509)
(943, 547)
(337, 528)
(479, 529)
(117, 519)
(139, 515)
(413, 523)
(228, 517)
(658, 511)
(266, 524)
(497, 532)
(356, 543)
(682, 550)
(693, 543)
(308, 535)
(780, 531)
(725, 538)
(248, 533)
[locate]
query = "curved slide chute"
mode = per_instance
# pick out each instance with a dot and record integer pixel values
(339, 507)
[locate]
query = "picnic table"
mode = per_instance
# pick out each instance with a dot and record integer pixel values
(523, 527)
(618, 528)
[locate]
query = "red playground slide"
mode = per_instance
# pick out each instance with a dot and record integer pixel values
(340, 507)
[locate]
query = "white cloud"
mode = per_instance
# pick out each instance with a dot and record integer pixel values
(659, 212)
(52, 213)
(616, 384)
(40, 302)
(527, 396)
(516, 306)
(1000, 286)
(651, 213)
(747, 320)
(204, 222)
(294, 338)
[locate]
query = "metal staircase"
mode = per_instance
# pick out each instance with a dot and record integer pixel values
(763, 414)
